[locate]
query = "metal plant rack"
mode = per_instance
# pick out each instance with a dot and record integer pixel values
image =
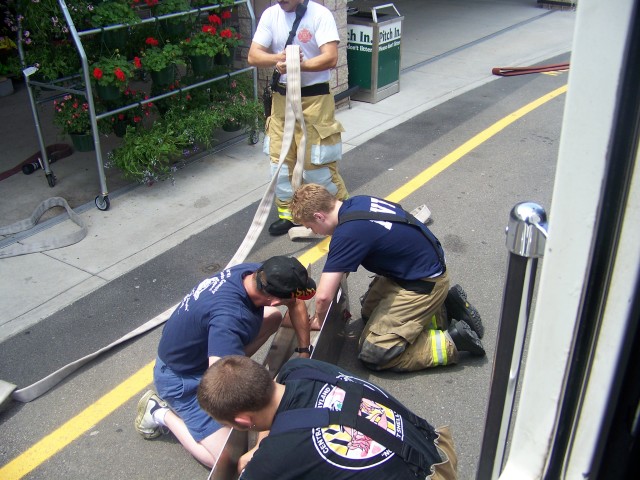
(85, 89)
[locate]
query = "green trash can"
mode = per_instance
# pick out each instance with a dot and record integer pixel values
(373, 53)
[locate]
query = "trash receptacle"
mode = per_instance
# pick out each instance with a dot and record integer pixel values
(373, 53)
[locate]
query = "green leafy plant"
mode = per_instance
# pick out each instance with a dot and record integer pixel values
(229, 39)
(115, 71)
(113, 13)
(206, 43)
(9, 61)
(156, 58)
(71, 114)
(133, 118)
(171, 6)
(148, 155)
(204, 3)
(54, 60)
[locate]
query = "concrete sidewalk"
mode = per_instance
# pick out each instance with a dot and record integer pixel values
(464, 40)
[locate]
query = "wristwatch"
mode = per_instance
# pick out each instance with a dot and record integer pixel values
(308, 349)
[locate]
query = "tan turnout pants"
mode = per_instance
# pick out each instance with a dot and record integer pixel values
(405, 331)
(323, 148)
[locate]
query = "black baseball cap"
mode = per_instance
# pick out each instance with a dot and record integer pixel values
(285, 277)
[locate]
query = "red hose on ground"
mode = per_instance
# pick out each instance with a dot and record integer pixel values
(511, 71)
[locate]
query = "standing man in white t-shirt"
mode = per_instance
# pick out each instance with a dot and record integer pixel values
(317, 36)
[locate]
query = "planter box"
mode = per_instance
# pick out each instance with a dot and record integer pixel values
(6, 86)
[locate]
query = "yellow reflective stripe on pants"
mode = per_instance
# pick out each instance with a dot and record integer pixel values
(284, 213)
(434, 322)
(438, 347)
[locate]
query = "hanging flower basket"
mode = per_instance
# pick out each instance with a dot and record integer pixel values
(166, 76)
(173, 28)
(108, 93)
(82, 142)
(231, 126)
(120, 128)
(116, 39)
(201, 64)
(225, 60)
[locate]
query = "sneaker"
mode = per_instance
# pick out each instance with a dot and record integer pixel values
(465, 339)
(459, 308)
(144, 423)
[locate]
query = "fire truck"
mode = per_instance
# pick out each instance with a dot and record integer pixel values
(570, 409)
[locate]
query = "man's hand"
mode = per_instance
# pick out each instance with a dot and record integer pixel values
(281, 63)
(245, 459)
(316, 323)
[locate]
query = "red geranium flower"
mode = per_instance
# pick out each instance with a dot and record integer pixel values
(209, 29)
(151, 3)
(151, 41)
(226, 33)
(120, 74)
(97, 73)
(226, 15)
(215, 19)
(137, 62)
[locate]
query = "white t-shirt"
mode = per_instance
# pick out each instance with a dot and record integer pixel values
(316, 28)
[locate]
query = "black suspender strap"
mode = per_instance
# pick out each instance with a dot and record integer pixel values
(301, 9)
(390, 217)
(306, 418)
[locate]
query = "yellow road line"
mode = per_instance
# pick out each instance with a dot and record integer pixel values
(422, 178)
(78, 425)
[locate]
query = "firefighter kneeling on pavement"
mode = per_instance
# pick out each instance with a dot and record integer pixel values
(413, 320)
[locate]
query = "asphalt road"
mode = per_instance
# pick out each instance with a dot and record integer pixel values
(470, 201)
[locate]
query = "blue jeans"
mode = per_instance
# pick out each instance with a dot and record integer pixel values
(179, 391)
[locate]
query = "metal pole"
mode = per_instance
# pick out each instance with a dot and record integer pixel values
(526, 238)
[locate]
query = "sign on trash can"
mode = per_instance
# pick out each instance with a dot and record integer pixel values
(373, 53)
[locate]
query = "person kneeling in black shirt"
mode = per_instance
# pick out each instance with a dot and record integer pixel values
(317, 421)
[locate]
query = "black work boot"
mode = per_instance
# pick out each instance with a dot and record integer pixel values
(459, 308)
(280, 226)
(465, 339)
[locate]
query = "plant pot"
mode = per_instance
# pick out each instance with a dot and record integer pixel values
(166, 76)
(230, 126)
(173, 28)
(82, 142)
(116, 39)
(225, 60)
(6, 86)
(201, 64)
(108, 93)
(120, 128)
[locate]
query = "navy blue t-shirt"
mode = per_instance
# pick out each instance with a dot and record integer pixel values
(390, 249)
(334, 452)
(217, 318)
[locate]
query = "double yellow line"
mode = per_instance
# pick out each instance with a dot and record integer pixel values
(132, 386)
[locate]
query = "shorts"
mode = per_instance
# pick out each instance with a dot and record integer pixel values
(179, 391)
